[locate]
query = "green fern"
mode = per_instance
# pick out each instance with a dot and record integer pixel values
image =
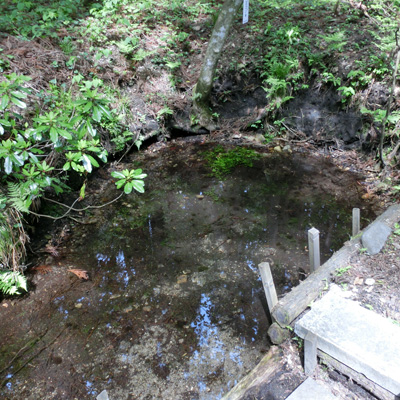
(18, 197)
(12, 282)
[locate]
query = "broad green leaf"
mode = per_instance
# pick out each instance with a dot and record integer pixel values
(93, 160)
(65, 134)
(138, 185)
(5, 99)
(18, 159)
(140, 176)
(105, 111)
(128, 187)
(87, 107)
(96, 114)
(120, 183)
(53, 135)
(19, 95)
(33, 157)
(18, 102)
(42, 128)
(25, 155)
(103, 155)
(8, 165)
(90, 129)
(5, 122)
(117, 174)
(86, 163)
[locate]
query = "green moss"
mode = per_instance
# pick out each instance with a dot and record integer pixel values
(223, 162)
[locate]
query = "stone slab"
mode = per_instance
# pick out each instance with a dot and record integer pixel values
(375, 236)
(356, 337)
(311, 389)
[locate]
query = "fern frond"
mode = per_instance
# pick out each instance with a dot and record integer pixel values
(18, 197)
(12, 282)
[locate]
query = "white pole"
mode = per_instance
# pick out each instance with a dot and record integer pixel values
(313, 248)
(356, 221)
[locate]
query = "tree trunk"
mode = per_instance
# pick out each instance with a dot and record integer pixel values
(388, 107)
(202, 90)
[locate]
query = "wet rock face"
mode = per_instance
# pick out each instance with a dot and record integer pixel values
(319, 114)
(378, 95)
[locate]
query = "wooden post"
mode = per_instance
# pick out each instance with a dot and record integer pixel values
(313, 248)
(268, 283)
(356, 221)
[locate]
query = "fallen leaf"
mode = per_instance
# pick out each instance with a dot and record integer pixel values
(80, 273)
(182, 279)
(51, 250)
(42, 269)
(358, 281)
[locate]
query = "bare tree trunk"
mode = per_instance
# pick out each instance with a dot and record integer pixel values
(202, 90)
(389, 105)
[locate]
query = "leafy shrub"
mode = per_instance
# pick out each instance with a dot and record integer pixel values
(37, 154)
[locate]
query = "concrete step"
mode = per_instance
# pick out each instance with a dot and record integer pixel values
(359, 338)
(311, 390)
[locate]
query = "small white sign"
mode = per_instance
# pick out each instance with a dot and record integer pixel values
(245, 11)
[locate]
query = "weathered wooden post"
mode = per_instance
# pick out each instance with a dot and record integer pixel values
(356, 221)
(268, 284)
(313, 248)
(276, 333)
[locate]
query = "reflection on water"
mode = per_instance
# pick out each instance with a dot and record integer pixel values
(207, 332)
(212, 351)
